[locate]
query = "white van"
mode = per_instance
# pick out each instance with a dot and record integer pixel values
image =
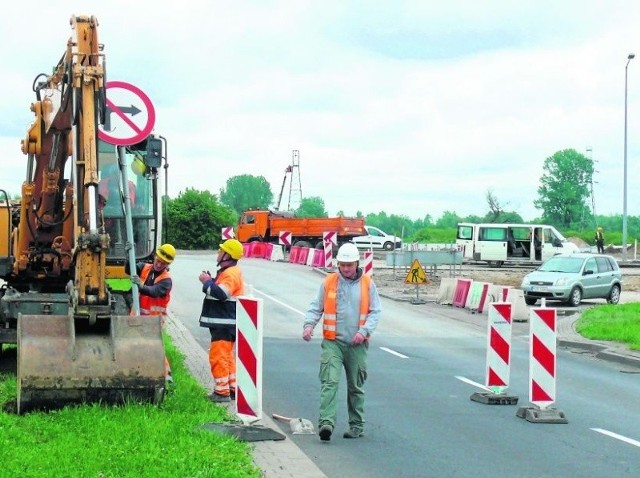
(377, 239)
(498, 243)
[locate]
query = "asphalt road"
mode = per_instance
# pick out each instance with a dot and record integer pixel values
(420, 420)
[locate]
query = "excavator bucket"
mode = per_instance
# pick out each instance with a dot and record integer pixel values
(62, 361)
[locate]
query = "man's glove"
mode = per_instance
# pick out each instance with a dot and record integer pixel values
(307, 333)
(358, 339)
(137, 281)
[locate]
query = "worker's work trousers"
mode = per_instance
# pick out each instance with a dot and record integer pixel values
(223, 366)
(353, 358)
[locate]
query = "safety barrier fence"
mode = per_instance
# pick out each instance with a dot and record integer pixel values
(300, 255)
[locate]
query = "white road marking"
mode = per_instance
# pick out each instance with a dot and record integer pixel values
(471, 382)
(393, 352)
(278, 301)
(630, 441)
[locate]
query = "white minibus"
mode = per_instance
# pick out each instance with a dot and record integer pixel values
(520, 243)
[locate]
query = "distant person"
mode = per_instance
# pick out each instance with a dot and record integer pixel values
(600, 240)
(219, 316)
(349, 306)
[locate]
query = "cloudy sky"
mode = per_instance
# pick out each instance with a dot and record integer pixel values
(408, 107)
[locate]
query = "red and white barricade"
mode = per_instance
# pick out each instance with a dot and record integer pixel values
(249, 323)
(368, 263)
(462, 291)
(498, 363)
(542, 368)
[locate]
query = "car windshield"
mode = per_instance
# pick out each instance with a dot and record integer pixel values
(562, 264)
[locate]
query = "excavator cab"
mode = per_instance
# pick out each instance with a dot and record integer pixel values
(77, 341)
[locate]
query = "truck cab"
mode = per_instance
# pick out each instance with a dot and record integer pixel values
(377, 239)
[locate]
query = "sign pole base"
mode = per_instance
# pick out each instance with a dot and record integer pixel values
(490, 398)
(535, 414)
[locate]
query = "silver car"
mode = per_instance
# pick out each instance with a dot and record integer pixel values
(573, 277)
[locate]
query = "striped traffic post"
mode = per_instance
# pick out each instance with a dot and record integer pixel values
(542, 369)
(498, 359)
(329, 239)
(368, 263)
(249, 320)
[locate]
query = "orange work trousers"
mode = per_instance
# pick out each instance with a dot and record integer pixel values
(223, 366)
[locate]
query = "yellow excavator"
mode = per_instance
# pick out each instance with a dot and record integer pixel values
(63, 289)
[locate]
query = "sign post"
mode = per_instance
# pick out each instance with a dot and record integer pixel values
(417, 276)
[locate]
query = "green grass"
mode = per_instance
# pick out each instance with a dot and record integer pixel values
(618, 323)
(134, 440)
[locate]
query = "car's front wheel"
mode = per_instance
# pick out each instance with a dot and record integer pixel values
(575, 297)
(614, 294)
(530, 300)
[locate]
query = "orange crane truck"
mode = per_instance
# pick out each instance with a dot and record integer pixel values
(266, 226)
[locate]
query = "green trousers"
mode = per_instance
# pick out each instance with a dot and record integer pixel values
(353, 358)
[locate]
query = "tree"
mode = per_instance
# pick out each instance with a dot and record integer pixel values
(195, 220)
(448, 219)
(311, 207)
(564, 188)
(246, 192)
(495, 208)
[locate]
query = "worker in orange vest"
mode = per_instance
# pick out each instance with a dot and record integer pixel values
(219, 316)
(349, 306)
(154, 286)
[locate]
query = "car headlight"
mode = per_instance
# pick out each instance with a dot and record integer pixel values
(525, 282)
(562, 282)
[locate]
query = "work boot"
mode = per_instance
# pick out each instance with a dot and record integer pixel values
(325, 432)
(353, 433)
(217, 398)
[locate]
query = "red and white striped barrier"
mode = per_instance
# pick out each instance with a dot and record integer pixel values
(498, 347)
(368, 263)
(542, 363)
(498, 363)
(328, 254)
(249, 323)
(542, 368)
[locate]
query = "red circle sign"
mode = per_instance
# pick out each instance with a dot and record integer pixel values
(130, 115)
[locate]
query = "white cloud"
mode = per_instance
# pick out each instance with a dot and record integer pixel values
(407, 107)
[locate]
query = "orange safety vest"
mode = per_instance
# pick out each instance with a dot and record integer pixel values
(153, 305)
(330, 294)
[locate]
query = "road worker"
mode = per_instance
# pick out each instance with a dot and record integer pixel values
(600, 240)
(219, 316)
(154, 287)
(349, 306)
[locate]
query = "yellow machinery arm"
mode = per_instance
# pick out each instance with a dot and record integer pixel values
(72, 345)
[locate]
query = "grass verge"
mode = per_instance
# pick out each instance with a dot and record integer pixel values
(134, 440)
(618, 323)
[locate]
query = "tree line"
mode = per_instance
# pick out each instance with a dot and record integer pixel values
(194, 219)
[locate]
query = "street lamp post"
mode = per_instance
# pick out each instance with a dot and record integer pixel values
(630, 57)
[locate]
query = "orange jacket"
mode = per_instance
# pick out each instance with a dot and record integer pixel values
(154, 305)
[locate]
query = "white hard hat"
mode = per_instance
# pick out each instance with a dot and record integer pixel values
(348, 252)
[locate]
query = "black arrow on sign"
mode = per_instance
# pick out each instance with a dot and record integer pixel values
(130, 110)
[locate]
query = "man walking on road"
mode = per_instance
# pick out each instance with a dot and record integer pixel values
(349, 306)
